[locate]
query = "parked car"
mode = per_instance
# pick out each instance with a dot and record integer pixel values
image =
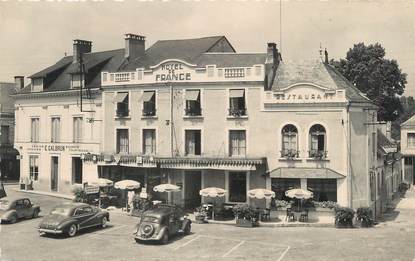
(69, 218)
(13, 209)
(160, 223)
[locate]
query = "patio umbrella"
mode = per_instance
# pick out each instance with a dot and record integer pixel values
(212, 192)
(299, 193)
(261, 193)
(166, 188)
(127, 184)
(101, 182)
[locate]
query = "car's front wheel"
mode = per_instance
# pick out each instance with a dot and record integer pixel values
(187, 229)
(72, 230)
(13, 219)
(35, 213)
(104, 222)
(165, 238)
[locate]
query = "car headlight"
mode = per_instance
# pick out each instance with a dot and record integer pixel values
(148, 229)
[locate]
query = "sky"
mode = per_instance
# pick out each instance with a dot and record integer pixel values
(34, 35)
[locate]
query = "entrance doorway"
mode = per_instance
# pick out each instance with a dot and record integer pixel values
(76, 170)
(192, 186)
(54, 172)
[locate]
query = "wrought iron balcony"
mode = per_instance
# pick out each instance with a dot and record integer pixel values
(290, 153)
(236, 112)
(149, 113)
(193, 111)
(317, 154)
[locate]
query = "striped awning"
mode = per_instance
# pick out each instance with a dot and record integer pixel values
(192, 95)
(305, 173)
(210, 163)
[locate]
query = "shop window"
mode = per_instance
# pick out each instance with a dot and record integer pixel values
(33, 167)
(323, 189)
(76, 170)
(411, 140)
(237, 105)
(56, 129)
(5, 135)
(193, 107)
(34, 130)
(122, 101)
(192, 142)
(237, 143)
(77, 129)
(237, 186)
(280, 185)
(317, 142)
(289, 142)
(122, 141)
(149, 142)
(149, 103)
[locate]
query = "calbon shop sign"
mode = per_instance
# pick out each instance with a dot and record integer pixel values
(173, 71)
(57, 148)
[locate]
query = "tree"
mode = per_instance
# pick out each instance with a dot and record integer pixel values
(408, 104)
(380, 79)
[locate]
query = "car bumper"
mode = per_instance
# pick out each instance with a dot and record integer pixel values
(50, 231)
(152, 238)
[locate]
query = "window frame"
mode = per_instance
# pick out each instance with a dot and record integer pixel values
(77, 138)
(154, 142)
(35, 174)
(57, 132)
(149, 113)
(37, 134)
(185, 150)
(117, 143)
(229, 147)
(289, 152)
(317, 130)
(237, 112)
(126, 109)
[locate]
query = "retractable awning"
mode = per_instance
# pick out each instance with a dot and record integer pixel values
(192, 95)
(306, 173)
(120, 97)
(147, 96)
(236, 93)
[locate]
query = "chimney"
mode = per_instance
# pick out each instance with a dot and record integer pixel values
(134, 46)
(80, 47)
(19, 82)
(271, 64)
(326, 56)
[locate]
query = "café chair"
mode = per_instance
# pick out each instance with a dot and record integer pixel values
(290, 215)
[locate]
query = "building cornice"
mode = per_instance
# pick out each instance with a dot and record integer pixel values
(65, 93)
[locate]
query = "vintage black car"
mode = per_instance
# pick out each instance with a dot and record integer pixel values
(13, 209)
(160, 223)
(69, 218)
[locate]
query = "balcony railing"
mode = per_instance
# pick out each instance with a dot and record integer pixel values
(317, 154)
(149, 113)
(290, 153)
(193, 111)
(237, 112)
(120, 113)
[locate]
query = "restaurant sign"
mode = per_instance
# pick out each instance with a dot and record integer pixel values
(308, 95)
(173, 71)
(57, 148)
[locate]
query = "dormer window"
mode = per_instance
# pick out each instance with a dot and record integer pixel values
(37, 84)
(76, 80)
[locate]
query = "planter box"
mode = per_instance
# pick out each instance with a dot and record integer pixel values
(320, 215)
(245, 223)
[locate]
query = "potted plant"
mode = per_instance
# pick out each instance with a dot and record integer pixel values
(364, 216)
(200, 215)
(246, 216)
(79, 193)
(344, 217)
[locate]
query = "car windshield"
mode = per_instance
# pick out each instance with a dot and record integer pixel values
(151, 219)
(4, 204)
(61, 211)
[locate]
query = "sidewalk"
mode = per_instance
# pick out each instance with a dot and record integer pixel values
(44, 193)
(274, 222)
(403, 213)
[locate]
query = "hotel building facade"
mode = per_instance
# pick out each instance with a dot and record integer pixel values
(198, 114)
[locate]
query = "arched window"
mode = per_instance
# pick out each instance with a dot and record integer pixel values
(289, 141)
(317, 142)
